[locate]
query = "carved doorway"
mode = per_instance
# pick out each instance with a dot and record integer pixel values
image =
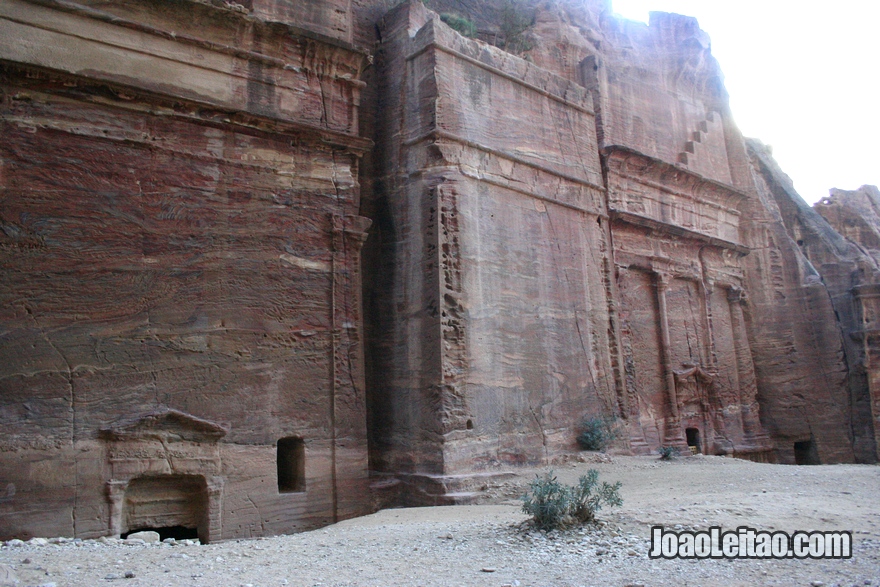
(163, 473)
(694, 388)
(693, 440)
(168, 504)
(806, 453)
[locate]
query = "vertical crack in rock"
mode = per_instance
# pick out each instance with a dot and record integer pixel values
(540, 425)
(72, 403)
(577, 322)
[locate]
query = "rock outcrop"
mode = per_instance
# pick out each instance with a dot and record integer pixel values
(832, 269)
(564, 223)
(855, 280)
(495, 302)
(180, 236)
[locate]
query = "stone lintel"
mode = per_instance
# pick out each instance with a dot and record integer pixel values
(868, 290)
(664, 167)
(674, 230)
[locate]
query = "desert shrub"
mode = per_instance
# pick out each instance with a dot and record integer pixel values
(460, 23)
(553, 505)
(548, 502)
(596, 433)
(590, 496)
(667, 453)
(515, 19)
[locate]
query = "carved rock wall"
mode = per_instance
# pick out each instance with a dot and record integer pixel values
(689, 376)
(576, 231)
(714, 337)
(179, 232)
(844, 266)
(496, 329)
(855, 278)
(684, 338)
(799, 352)
(782, 331)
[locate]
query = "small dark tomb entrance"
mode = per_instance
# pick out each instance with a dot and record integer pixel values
(175, 506)
(806, 453)
(291, 460)
(693, 439)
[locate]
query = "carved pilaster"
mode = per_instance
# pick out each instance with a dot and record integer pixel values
(711, 358)
(116, 498)
(214, 525)
(347, 393)
(454, 411)
(748, 388)
(662, 284)
(673, 424)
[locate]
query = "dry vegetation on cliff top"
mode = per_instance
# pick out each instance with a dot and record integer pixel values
(489, 545)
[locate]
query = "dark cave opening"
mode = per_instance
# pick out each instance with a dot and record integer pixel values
(176, 532)
(806, 453)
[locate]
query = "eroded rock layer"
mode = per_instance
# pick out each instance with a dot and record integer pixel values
(566, 224)
(701, 321)
(180, 286)
(497, 311)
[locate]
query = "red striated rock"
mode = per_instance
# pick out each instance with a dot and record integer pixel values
(797, 342)
(573, 279)
(715, 337)
(853, 280)
(855, 215)
(492, 321)
(575, 230)
(830, 266)
(180, 234)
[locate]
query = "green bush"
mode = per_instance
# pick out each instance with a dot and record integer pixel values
(548, 502)
(459, 23)
(597, 432)
(667, 453)
(589, 497)
(553, 505)
(515, 19)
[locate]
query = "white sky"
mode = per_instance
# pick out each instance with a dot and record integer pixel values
(803, 77)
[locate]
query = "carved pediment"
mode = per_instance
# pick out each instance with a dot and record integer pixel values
(166, 425)
(693, 371)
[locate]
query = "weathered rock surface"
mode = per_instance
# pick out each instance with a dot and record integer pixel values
(570, 227)
(797, 344)
(830, 269)
(8, 578)
(180, 289)
(854, 215)
(495, 242)
(710, 327)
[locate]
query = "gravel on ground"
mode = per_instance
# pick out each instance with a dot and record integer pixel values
(491, 544)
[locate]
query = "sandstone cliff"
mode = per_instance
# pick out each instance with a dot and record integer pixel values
(180, 292)
(566, 224)
(834, 267)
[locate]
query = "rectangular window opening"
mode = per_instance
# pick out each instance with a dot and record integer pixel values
(291, 465)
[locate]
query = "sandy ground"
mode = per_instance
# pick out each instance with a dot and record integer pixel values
(489, 544)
